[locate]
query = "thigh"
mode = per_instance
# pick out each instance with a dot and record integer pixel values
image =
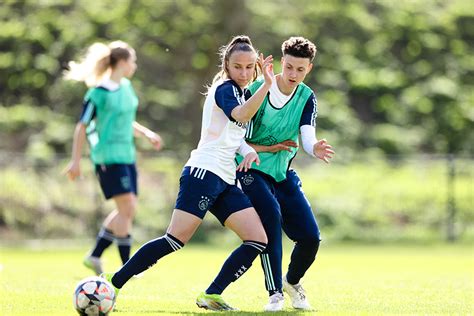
(299, 221)
(261, 193)
(126, 203)
(183, 225)
(247, 225)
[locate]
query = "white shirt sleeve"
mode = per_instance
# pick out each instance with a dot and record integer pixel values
(245, 148)
(308, 138)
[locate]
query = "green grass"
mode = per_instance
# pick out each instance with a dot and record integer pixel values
(346, 279)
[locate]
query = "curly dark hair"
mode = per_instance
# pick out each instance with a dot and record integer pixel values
(299, 47)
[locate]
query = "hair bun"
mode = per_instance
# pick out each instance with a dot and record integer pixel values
(241, 39)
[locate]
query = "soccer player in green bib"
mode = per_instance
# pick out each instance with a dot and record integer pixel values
(108, 121)
(289, 109)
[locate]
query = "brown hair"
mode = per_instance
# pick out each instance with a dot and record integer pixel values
(239, 43)
(299, 47)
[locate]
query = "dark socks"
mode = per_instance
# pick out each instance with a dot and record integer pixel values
(146, 257)
(105, 238)
(124, 244)
(236, 264)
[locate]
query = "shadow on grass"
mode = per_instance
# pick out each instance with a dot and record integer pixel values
(239, 313)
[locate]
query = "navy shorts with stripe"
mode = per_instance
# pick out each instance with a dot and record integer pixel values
(117, 179)
(201, 190)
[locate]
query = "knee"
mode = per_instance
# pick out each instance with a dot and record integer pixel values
(311, 241)
(260, 236)
(129, 209)
(263, 239)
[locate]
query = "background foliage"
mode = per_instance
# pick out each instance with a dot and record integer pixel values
(393, 79)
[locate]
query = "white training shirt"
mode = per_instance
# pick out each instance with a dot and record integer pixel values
(221, 135)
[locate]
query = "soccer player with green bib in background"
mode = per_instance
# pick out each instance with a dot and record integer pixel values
(108, 121)
(289, 109)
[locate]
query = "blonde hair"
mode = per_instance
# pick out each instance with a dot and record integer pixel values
(98, 62)
(237, 43)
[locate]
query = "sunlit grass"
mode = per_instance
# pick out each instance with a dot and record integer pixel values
(346, 279)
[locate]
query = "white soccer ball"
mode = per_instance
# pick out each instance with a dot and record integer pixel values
(94, 296)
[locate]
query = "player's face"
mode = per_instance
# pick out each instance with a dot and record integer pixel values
(294, 69)
(241, 67)
(130, 65)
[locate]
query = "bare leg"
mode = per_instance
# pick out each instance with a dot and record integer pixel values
(120, 220)
(183, 225)
(247, 225)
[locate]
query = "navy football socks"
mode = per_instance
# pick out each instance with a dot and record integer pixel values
(105, 238)
(124, 244)
(146, 257)
(236, 265)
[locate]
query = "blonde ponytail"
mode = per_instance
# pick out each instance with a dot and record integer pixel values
(93, 66)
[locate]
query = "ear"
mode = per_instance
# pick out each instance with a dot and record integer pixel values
(309, 68)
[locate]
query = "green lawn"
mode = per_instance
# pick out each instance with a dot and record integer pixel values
(346, 279)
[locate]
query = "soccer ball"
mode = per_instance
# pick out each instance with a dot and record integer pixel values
(94, 296)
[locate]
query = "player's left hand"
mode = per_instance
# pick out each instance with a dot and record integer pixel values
(246, 164)
(323, 150)
(155, 140)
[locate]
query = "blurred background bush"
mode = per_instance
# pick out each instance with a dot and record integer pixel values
(393, 80)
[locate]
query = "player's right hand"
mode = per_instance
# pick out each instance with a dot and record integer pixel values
(72, 170)
(246, 164)
(284, 145)
(267, 68)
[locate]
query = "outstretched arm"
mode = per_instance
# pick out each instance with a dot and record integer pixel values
(142, 131)
(284, 145)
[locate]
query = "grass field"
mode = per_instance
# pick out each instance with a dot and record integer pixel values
(346, 279)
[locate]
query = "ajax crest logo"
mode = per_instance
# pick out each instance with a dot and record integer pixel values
(204, 203)
(247, 179)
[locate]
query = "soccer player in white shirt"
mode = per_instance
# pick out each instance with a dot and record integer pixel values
(208, 180)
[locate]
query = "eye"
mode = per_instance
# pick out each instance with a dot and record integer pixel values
(250, 67)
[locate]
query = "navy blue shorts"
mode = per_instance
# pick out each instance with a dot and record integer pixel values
(201, 190)
(117, 179)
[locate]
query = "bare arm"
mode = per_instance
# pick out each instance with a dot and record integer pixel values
(284, 145)
(244, 113)
(73, 169)
(153, 138)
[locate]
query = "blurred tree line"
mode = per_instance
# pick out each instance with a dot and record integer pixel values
(392, 77)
